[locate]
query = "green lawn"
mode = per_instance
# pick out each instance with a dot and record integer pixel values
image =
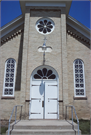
(4, 129)
(84, 126)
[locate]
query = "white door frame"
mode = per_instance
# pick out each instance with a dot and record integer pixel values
(33, 81)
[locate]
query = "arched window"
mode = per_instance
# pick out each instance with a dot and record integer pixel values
(44, 73)
(79, 78)
(9, 77)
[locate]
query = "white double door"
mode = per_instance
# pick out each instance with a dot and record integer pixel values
(44, 100)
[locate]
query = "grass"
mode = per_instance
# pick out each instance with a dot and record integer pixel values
(4, 129)
(84, 126)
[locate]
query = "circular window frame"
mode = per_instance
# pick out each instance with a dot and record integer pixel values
(44, 26)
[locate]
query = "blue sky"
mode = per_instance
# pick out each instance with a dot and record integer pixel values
(80, 10)
(9, 11)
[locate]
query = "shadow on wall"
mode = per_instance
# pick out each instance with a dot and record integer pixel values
(19, 66)
(41, 88)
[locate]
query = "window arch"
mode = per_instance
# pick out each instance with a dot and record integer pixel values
(44, 73)
(79, 78)
(9, 77)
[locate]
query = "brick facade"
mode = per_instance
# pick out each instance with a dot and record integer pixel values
(65, 49)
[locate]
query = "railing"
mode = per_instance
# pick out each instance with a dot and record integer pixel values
(15, 108)
(72, 108)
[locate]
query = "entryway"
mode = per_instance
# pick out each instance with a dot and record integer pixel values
(44, 94)
(44, 127)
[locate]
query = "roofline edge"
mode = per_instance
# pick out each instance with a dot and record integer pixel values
(78, 26)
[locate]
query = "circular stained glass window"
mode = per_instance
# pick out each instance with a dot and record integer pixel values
(45, 26)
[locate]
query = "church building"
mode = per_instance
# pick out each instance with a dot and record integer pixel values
(45, 62)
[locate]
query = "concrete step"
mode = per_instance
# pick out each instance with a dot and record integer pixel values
(64, 125)
(44, 124)
(43, 127)
(43, 132)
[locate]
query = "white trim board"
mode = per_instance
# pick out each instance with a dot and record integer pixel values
(11, 26)
(78, 26)
(46, 4)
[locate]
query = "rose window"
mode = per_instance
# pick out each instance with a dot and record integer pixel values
(44, 74)
(45, 26)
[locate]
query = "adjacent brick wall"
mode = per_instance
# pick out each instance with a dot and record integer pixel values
(10, 49)
(76, 49)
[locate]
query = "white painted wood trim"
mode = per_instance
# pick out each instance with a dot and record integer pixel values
(13, 77)
(78, 26)
(46, 4)
(34, 81)
(83, 78)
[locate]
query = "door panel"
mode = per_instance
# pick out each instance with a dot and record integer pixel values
(51, 110)
(44, 101)
(36, 109)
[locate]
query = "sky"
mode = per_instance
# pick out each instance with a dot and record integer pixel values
(9, 11)
(80, 10)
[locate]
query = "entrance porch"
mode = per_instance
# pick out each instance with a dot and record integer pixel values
(44, 127)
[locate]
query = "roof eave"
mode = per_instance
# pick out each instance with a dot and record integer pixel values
(78, 26)
(20, 20)
(11, 26)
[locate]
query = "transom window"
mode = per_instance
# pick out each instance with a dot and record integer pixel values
(9, 77)
(79, 79)
(45, 26)
(44, 73)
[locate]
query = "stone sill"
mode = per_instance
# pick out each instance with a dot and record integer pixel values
(80, 98)
(7, 97)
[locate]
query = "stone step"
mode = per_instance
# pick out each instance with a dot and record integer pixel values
(43, 124)
(43, 132)
(43, 127)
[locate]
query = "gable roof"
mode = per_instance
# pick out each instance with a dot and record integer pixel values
(19, 21)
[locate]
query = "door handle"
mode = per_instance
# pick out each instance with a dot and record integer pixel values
(42, 103)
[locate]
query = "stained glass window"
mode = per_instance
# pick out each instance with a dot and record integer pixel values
(45, 26)
(9, 78)
(79, 79)
(44, 73)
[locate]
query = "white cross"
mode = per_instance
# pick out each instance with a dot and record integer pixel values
(44, 51)
(45, 40)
